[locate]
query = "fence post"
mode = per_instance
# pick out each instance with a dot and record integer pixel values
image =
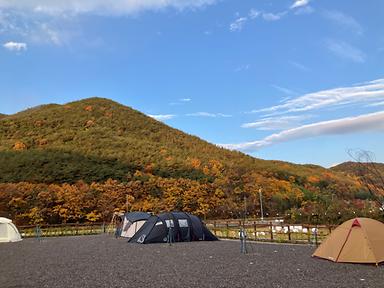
(214, 227)
(289, 233)
(309, 235)
(255, 230)
(270, 230)
(227, 229)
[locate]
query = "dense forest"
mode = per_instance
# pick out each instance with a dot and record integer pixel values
(81, 161)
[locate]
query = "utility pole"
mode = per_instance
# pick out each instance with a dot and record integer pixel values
(261, 205)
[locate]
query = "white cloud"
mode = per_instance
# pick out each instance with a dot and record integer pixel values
(99, 7)
(185, 99)
(273, 16)
(345, 50)
(15, 46)
(276, 123)
(373, 122)
(304, 10)
(376, 104)
(207, 114)
(253, 13)
(162, 117)
(344, 21)
(368, 92)
(37, 29)
(54, 21)
(299, 3)
(238, 24)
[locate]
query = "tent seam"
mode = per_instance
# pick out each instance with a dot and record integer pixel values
(369, 243)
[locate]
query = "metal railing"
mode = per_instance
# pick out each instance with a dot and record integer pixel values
(55, 230)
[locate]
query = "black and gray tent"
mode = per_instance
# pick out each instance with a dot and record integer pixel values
(132, 222)
(184, 227)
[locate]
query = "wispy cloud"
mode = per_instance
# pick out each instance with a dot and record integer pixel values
(299, 66)
(15, 46)
(345, 21)
(283, 89)
(304, 10)
(367, 92)
(300, 7)
(242, 68)
(276, 123)
(207, 114)
(181, 101)
(253, 13)
(36, 28)
(273, 16)
(345, 50)
(376, 104)
(363, 123)
(99, 7)
(54, 22)
(162, 117)
(299, 3)
(238, 24)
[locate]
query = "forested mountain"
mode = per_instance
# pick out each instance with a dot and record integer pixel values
(81, 160)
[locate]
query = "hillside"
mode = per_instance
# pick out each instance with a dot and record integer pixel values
(371, 175)
(105, 140)
(353, 168)
(95, 148)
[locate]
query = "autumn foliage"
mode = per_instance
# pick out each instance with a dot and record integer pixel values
(82, 161)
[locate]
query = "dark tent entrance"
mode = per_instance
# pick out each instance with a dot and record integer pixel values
(183, 227)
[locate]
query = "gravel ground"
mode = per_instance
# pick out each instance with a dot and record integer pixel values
(102, 261)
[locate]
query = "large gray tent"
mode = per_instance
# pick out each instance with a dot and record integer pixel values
(185, 227)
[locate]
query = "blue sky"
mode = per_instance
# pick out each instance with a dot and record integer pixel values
(300, 81)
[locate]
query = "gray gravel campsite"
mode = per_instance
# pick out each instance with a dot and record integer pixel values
(102, 261)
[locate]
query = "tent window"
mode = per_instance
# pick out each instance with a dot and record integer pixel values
(159, 223)
(169, 223)
(3, 230)
(183, 223)
(126, 227)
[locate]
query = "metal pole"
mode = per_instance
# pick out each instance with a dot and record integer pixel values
(170, 235)
(243, 241)
(243, 232)
(261, 205)
(245, 209)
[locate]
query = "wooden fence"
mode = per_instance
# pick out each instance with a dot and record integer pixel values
(256, 230)
(270, 231)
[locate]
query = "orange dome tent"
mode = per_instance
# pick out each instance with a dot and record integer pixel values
(359, 240)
